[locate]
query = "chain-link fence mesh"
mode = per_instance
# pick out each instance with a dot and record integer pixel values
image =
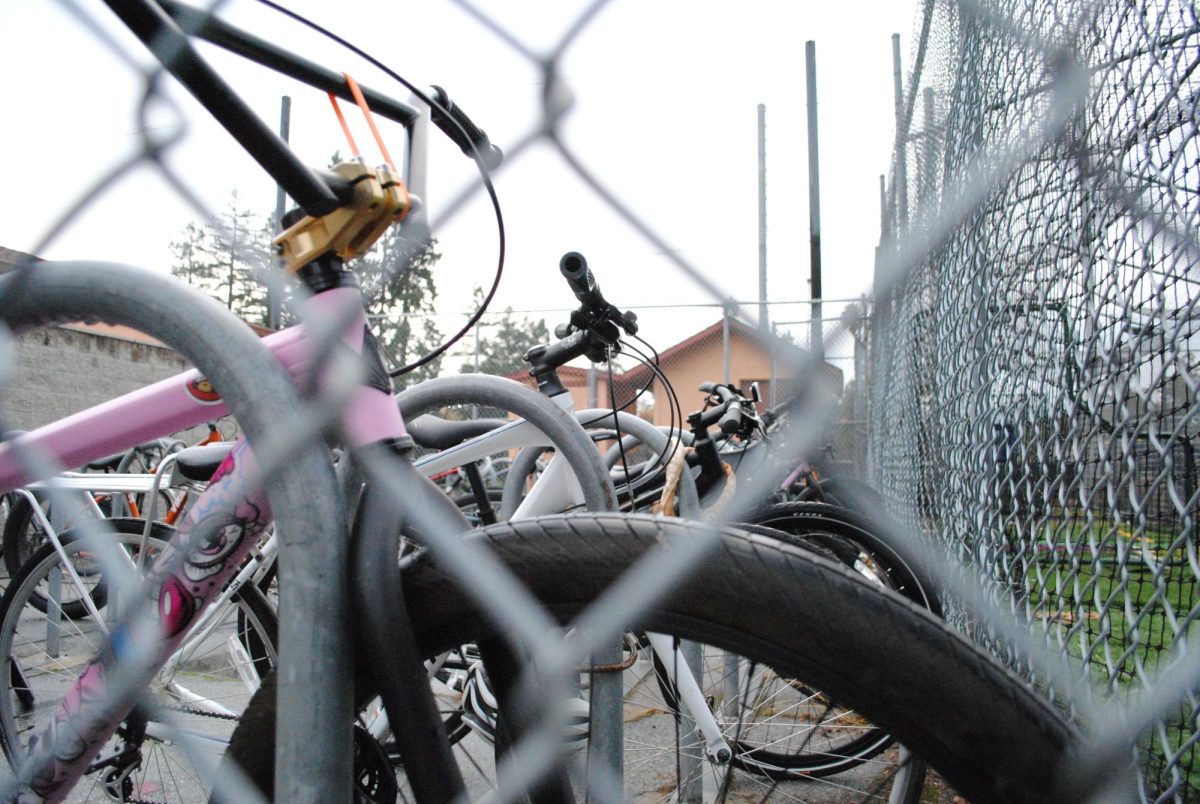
(722, 343)
(1028, 358)
(1034, 377)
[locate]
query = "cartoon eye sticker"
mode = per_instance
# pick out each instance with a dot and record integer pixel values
(202, 390)
(214, 538)
(175, 606)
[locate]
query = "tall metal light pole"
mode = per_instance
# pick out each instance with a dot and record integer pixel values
(901, 188)
(817, 341)
(762, 218)
(274, 303)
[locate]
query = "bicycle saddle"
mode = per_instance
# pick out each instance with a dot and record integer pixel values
(199, 463)
(435, 432)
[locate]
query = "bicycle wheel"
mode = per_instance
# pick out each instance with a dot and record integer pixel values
(23, 538)
(787, 730)
(809, 619)
(847, 492)
(22, 535)
(198, 695)
(785, 738)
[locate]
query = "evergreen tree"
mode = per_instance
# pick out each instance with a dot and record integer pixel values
(191, 263)
(397, 280)
(502, 341)
(225, 258)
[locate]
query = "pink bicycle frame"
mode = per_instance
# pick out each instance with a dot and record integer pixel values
(214, 538)
(186, 400)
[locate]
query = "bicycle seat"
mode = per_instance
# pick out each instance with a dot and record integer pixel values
(199, 463)
(108, 464)
(435, 432)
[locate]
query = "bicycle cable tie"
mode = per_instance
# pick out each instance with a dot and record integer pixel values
(379, 200)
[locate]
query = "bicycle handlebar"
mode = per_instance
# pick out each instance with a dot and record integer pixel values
(727, 414)
(595, 314)
(164, 27)
(158, 32)
(731, 422)
(211, 28)
(594, 330)
(574, 268)
(455, 124)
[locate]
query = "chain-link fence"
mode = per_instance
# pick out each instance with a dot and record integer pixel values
(1029, 350)
(1034, 382)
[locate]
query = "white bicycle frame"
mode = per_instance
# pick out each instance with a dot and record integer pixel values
(557, 490)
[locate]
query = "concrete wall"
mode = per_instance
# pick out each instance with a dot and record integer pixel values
(62, 370)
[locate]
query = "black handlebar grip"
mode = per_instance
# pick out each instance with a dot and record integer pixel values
(466, 135)
(573, 266)
(731, 422)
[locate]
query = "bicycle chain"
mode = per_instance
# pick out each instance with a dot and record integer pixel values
(187, 710)
(190, 710)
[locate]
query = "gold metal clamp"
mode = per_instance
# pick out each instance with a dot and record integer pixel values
(380, 199)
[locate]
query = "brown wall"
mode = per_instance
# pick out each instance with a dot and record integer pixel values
(704, 362)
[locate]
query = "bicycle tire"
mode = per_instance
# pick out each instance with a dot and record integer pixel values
(851, 494)
(213, 671)
(23, 538)
(985, 730)
(816, 736)
(17, 546)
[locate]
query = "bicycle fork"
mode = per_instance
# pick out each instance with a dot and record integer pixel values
(691, 697)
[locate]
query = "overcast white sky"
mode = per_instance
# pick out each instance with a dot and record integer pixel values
(666, 95)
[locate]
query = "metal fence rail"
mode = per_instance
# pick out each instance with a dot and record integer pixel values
(1034, 388)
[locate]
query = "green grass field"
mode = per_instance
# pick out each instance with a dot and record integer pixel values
(1118, 601)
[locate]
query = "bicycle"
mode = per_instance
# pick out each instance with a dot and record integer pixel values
(724, 740)
(836, 530)
(534, 549)
(115, 486)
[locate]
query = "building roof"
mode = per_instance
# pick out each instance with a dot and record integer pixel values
(570, 375)
(117, 331)
(124, 333)
(10, 258)
(716, 330)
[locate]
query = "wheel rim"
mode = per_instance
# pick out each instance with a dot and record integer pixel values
(193, 702)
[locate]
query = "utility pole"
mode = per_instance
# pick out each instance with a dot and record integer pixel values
(762, 218)
(817, 339)
(901, 188)
(274, 303)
